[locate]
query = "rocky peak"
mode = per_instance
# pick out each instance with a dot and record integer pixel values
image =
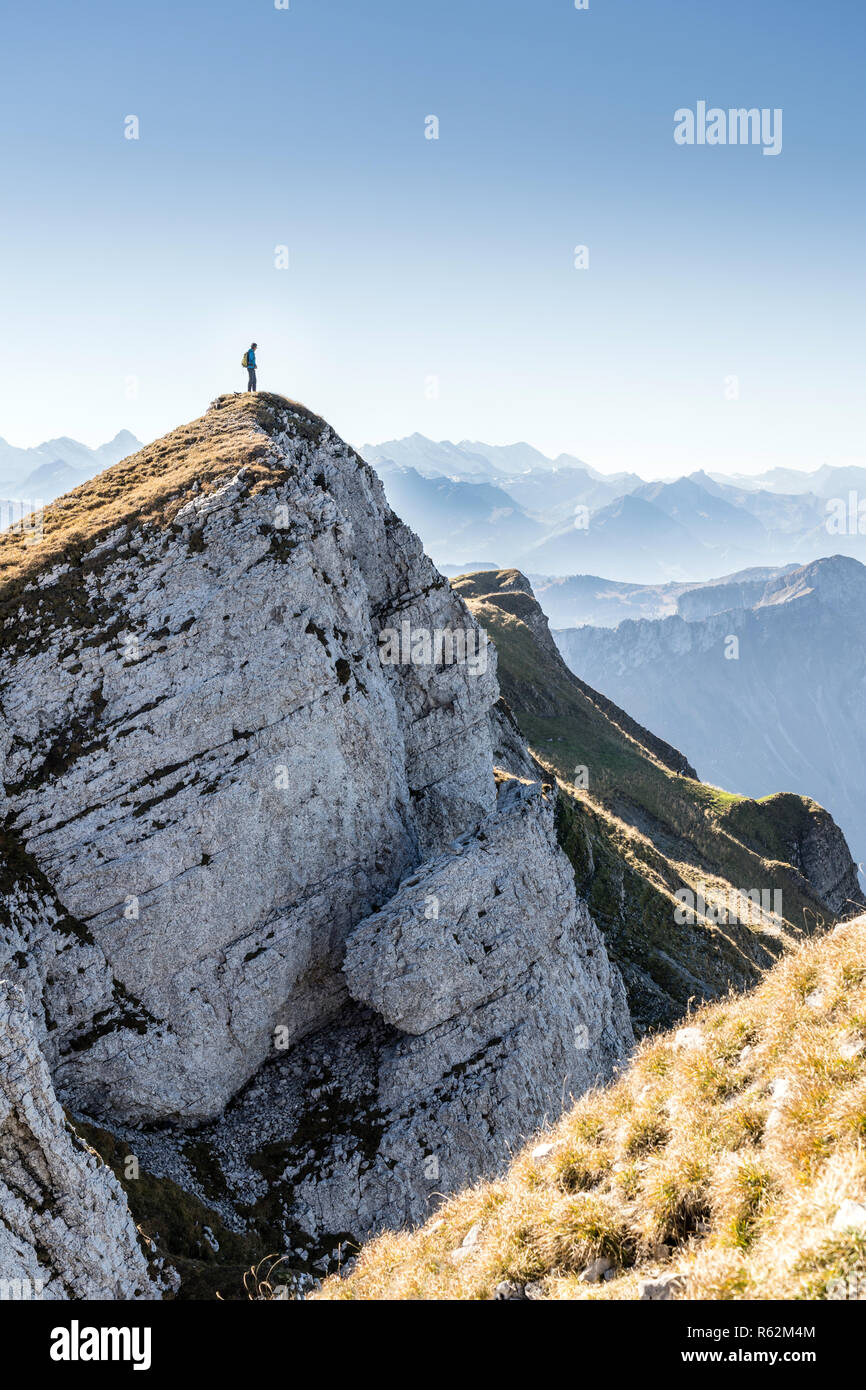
(209, 762)
(837, 581)
(244, 722)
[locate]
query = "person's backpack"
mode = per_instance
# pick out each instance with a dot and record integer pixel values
(245, 360)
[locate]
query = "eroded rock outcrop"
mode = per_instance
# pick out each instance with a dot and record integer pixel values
(65, 1230)
(496, 912)
(222, 778)
(483, 996)
(214, 782)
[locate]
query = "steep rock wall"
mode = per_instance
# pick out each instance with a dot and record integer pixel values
(65, 1231)
(213, 782)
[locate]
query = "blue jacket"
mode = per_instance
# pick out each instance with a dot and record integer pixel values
(251, 358)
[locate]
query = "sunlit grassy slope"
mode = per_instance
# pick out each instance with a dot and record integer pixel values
(730, 1154)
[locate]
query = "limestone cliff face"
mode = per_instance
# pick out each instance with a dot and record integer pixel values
(65, 1231)
(226, 778)
(482, 994)
(213, 781)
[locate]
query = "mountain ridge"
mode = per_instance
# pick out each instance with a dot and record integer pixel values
(639, 827)
(563, 517)
(290, 915)
(786, 672)
(301, 923)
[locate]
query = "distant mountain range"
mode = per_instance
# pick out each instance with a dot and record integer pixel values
(510, 505)
(760, 681)
(514, 506)
(40, 474)
(587, 598)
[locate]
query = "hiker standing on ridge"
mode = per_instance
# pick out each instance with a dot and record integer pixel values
(249, 361)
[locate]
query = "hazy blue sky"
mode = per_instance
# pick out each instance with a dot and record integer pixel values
(413, 258)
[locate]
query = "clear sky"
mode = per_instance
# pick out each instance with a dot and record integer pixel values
(147, 266)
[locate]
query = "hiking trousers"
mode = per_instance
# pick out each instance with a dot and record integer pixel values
(251, 373)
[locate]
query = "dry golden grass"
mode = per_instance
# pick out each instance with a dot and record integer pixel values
(725, 1162)
(150, 486)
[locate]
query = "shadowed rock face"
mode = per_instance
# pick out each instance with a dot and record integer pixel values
(65, 1231)
(802, 833)
(213, 782)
